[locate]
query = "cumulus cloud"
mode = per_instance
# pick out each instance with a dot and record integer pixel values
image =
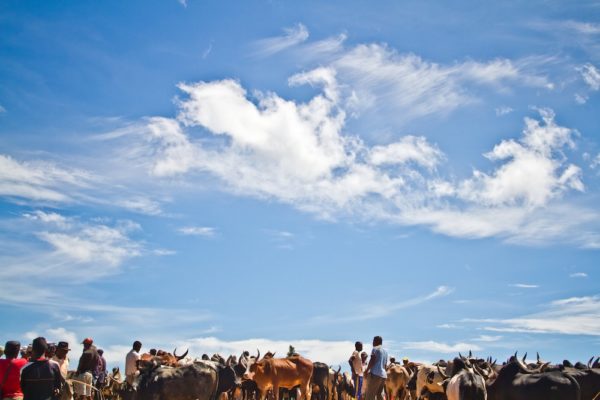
(329, 352)
(292, 36)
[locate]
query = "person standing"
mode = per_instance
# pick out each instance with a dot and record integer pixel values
(131, 362)
(376, 370)
(101, 373)
(356, 368)
(10, 370)
(60, 357)
(88, 364)
(40, 378)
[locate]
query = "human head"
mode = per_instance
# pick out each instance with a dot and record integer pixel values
(87, 343)
(358, 346)
(392, 360)
(405, 360)
(100, 351)
(39, 347)
(51, 350)
(62, 348)
(137, 345)
(377, 341)
(152, 352)
(11, 349)
(205, 357)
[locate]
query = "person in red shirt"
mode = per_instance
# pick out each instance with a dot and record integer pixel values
(10, 372)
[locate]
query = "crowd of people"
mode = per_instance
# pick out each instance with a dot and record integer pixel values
(40, 371)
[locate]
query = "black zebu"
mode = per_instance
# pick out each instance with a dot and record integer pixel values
(197, 381)
(516, 382)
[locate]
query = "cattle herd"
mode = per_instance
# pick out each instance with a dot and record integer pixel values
(171, 377)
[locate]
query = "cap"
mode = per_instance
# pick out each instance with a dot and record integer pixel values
(87, 341)
(63, 346)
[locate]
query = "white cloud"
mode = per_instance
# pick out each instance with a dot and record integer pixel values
(329, 352)
(595, 162)
(578, 275)
(591, 76)
(487, 338)
(198, 231)
(586, 28)
(440, 347)
(79, 251)
(39, 180)
(580, 98)
(504, 110)
(571, 316)
(293, 36)
(448, 326)
(374, 311)
(2, 110)
(524, 286)
(405, 87)
(183, 3)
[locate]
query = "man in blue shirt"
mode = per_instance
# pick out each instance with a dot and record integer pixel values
(375, 372)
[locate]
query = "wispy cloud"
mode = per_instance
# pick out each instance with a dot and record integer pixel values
(487, 338)
(571, 316)
(206, 231)
(292, 36)
(374, 311)
(441, 347)
(591, 76)
(524, 286)
(504, 110)
(2, 110)
(578, 275)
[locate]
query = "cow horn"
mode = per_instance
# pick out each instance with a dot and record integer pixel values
(524, 357)
(181, 357)
(537, 353)
(589, 364)
(257, 354)
(470, 354)
(441, 373)
(480, 371)
(339, 369)
(461, 356)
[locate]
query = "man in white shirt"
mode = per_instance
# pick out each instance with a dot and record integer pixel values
(131, 362)
(356, 367)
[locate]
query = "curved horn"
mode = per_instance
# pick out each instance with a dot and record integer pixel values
(461, 356)
(470, 354)
(339, 369)
(441, 373)
(175, 352)
(589, 364)
(182, 356)
(524, 357)
(257, 354)
(480, 371)
(537, 353)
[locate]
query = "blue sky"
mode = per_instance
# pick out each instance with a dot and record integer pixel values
(226, 176)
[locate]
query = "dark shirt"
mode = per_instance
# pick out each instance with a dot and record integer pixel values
(88, 362)
(40, 380)
(101, 370)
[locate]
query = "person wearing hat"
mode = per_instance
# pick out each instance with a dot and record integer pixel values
(40, 378)
(88, 364)
(60, 357)
(10, 370)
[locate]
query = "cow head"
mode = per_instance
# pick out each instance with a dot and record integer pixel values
(249, 374)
